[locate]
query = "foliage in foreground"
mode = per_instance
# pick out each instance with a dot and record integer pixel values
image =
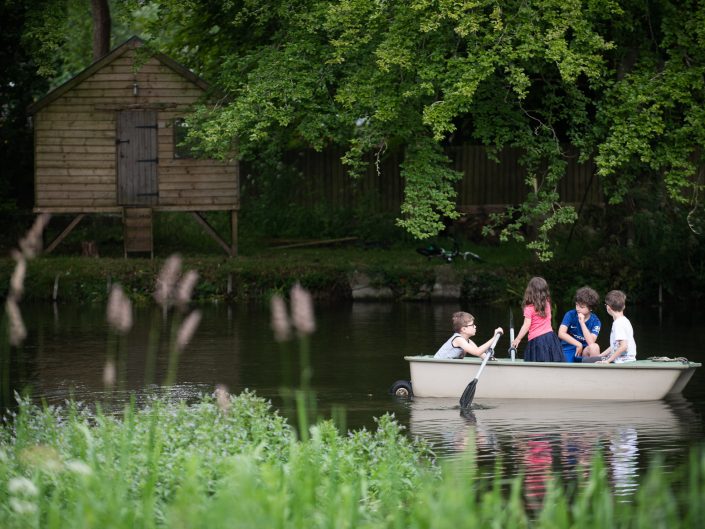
(181, 465)
(238, 464)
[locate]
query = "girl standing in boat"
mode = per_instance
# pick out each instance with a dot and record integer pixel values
(543, 345)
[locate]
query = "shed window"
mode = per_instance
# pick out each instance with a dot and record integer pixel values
(181, 148)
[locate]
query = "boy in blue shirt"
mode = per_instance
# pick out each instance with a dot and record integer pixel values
(580, 327)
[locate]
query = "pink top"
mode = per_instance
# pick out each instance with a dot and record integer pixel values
(538, 325)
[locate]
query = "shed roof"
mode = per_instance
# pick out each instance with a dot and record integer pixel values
(131, 43)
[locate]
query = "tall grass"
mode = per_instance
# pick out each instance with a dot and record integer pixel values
(238, 463)
(200, 465)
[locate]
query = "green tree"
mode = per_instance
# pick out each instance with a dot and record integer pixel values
(421, 74)
(620, 81)
(65, 36)
(19, 83)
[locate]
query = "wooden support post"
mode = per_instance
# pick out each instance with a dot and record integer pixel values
(210, 231)
(64, 233)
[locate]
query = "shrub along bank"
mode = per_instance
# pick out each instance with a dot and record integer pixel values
(339, 274)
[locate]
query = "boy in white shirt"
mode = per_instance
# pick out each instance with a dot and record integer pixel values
(622, 346)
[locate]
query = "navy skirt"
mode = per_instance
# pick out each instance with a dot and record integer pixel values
(544, 348)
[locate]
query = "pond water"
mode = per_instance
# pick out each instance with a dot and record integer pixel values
(357, 353)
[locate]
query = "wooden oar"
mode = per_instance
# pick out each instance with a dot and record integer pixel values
(469, 393)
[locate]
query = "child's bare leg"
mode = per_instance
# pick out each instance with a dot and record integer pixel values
(591, 350)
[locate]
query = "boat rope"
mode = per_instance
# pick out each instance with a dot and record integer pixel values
(681, 359)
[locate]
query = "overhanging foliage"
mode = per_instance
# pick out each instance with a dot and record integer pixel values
(621, 81)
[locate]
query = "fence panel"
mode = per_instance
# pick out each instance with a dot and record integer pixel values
(487, 185)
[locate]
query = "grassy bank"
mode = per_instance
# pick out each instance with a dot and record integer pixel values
(233, 462)
(326, 273)
(657, 255)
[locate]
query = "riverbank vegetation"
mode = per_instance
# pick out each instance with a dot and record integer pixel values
(231, 461)
(328, 273)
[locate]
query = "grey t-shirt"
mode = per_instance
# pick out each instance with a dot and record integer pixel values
(448, 351)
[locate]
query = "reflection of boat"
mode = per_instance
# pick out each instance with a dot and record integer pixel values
(524, 415)
(540, 439)
(441, 421)
(640, 380)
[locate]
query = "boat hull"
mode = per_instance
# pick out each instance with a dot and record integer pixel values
(504, 379)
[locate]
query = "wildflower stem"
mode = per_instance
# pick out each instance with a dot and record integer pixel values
(152, 346)
(286, 391)
(173, 350)
(110, 366)
(305, 362)
(305, 397)
(122, 362)
(302, 413)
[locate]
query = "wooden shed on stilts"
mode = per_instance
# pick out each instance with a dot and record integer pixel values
(107, 142)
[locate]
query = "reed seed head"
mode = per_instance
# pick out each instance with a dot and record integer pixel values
(187, 329)
(302, 310)
(281, 325)
(31, 243)
(18, 276)
(184, 289)
(119, 312)
(167, 279)
(17, 331)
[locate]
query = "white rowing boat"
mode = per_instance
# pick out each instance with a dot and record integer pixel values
(507, 379)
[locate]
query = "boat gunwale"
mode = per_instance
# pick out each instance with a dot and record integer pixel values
(637, 364)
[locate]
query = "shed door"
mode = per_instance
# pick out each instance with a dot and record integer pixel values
(137, 158)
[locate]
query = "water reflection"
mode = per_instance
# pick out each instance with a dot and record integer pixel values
(623, 461)
(537, 462)
(541, 439)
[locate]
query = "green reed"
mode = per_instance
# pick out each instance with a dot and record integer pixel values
(199, 465)
(240, 464)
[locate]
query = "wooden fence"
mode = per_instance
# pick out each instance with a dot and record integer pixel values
(486, 186)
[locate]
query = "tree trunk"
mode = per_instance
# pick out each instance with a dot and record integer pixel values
(101, 28)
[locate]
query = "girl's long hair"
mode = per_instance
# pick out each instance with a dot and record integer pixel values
(538, 295)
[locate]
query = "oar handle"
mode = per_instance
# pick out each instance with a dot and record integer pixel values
(512, 350)
(488, 354)
(494, 342)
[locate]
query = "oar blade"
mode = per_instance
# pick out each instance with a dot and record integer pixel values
(468, 394)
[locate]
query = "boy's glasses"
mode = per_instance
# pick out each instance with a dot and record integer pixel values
(470, 325)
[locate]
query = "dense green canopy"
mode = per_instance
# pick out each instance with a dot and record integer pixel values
(620, 81)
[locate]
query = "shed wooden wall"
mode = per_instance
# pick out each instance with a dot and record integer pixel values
(75, 162)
